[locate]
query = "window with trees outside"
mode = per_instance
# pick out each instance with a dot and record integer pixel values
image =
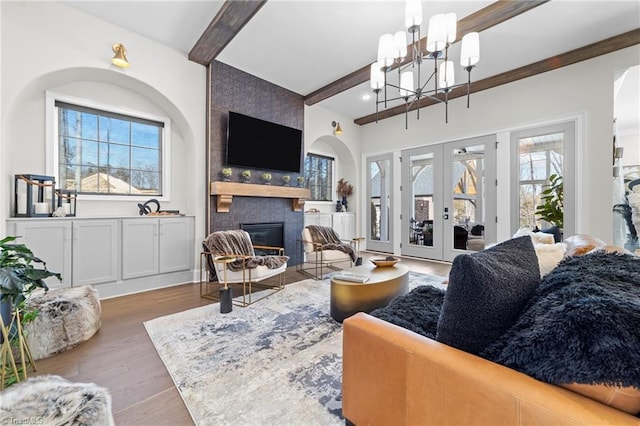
(318, 173)
(540, 157)
(106, 153)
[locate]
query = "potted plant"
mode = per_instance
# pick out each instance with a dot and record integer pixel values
(246, 176)
(226, 174)
(266, 177)
(21, 273)
(286, 179)
(551, 209)
(300, 180)
(344, 190)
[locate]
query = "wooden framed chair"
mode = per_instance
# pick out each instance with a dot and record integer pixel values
(322, 247)
(247, 271)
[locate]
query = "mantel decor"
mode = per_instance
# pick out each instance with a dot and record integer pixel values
(225, 191)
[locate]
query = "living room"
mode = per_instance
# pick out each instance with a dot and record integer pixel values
(65, 52)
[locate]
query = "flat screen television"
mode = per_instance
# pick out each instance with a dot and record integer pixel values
(259, 144)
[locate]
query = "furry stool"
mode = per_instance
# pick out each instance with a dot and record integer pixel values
(52, 400)
(68, 317)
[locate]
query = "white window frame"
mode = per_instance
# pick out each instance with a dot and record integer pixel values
(52, 146)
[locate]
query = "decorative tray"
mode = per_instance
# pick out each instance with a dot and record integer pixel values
(382, 262)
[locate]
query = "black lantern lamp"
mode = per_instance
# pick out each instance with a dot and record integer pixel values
(34, 195)
(66, 199)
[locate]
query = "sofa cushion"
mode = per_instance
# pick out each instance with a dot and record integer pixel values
(549, 256)
(417, 310)
(486, 294)
(581, 325)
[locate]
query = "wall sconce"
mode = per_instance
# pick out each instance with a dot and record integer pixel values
(33, 195)
(119, 59)
(337, 130)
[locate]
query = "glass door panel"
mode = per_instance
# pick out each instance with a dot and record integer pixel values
(379, 188)
(465, 209)
(422, 202)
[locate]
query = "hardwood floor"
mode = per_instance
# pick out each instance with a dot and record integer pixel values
(122, 358)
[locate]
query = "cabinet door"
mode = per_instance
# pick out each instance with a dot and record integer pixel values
(95, 251)
(176, 244)
(139, 247)
(51, 242)
(344, 225)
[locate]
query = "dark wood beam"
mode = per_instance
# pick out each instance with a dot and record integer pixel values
(230, 19)
(487, 17)
(590, 51)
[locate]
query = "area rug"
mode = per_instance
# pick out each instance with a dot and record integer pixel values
(277, 362)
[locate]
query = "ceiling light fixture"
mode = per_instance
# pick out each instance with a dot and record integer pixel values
(337, 130)
(393, 48)
(119, 59)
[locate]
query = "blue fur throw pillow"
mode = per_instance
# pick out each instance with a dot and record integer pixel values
(582, 324)
(486, 294)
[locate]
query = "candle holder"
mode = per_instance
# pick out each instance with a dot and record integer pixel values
(33, 195)
(67, 199)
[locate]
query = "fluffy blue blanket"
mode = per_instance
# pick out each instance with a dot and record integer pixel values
(582, 324)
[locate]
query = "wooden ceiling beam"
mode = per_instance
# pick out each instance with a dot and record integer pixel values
(230, 19)
(590, 51)
(484, 18)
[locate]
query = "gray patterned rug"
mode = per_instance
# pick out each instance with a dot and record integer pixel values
(277, 362)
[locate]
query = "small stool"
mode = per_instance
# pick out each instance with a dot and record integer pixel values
(67, 317)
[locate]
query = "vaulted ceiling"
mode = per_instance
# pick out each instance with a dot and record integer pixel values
(323, 49)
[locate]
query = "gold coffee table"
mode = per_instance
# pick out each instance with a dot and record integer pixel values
(384, 284)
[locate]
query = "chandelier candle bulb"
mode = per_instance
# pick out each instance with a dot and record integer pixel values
(377, 77)
(470, 50)
(386, 50)
(400, 41)
(451, 27)
(413, 15)
(406, 84)
(446, 79)
(437, 33)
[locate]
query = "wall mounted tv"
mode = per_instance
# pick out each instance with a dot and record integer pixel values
(259, 144)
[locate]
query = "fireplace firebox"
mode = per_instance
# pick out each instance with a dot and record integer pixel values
(265, 234)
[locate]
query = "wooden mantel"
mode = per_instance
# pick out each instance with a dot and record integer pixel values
(225, 191)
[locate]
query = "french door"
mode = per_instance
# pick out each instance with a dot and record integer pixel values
(449, 198)
(379, 207)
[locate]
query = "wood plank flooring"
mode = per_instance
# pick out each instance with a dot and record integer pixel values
(122, 358)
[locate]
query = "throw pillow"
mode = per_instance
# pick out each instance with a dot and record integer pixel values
(549, 255)
(486, 294)
(417, 310)
(581, 326)
(555, 231)
(536, 237)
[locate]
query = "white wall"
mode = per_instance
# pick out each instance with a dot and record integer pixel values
(319, 139)
(50, 46)
(583, 91)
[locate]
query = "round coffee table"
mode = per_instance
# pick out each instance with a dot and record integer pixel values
(384, 284)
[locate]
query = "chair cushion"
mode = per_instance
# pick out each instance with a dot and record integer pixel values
(258, 273)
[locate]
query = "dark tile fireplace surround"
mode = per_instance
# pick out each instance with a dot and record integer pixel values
(234, 90)
(255, 210)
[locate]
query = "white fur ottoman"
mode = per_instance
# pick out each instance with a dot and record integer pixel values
(52, 400)
(67, 317)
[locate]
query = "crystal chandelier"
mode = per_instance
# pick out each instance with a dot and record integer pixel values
(408, 86)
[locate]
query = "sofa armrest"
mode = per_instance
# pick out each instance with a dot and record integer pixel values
(394, 376)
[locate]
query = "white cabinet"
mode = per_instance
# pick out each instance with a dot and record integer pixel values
(49, 241)
(321, 219)
(139, 248)
(96, 245)
(176, 244)
(117, 255)
(156, 245)
(345, 225)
